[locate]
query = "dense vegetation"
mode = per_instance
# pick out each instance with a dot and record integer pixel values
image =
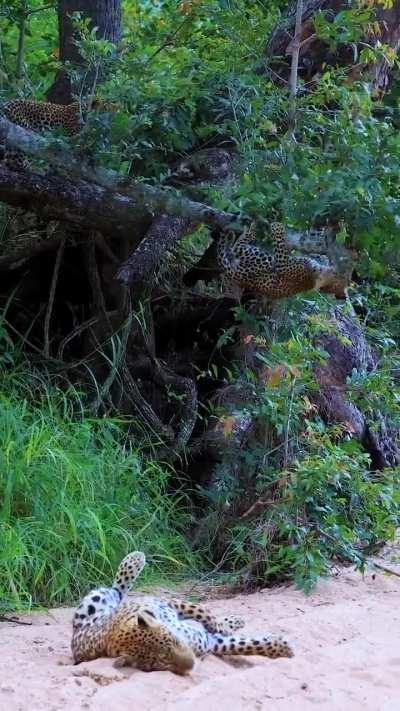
(81, 484)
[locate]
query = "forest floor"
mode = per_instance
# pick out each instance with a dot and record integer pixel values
(346, 636)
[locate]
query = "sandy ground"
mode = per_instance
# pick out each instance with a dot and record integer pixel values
(347, 643)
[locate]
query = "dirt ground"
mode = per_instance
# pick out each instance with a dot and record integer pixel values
(347, 644)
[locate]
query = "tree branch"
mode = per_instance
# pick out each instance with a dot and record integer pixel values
(78, 203)
(49, 6)
(111, 204)
(295, 65)
(161, 237)
(152, 200)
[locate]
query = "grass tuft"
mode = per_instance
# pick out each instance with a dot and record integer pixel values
(75, 497)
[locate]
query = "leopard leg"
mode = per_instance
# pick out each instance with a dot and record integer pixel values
(192, 611)
(128, 571)
(280, 245)
(101, 603)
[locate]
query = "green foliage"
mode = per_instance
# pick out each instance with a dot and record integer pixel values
(320, 501)
(343, 169)
(28, 45)
(380, 306)
(75, 496)
(190, 76)
(331, 508)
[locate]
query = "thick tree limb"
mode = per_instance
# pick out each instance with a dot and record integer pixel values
(153, 201)
(79, 203)
(90, 207)
(104, 201)
(161, 237)
(349, 352)
(210, 166)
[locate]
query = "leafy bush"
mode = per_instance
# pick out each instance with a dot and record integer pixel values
(318, 499)
(330, 507)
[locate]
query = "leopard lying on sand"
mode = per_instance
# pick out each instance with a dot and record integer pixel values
(155, 634)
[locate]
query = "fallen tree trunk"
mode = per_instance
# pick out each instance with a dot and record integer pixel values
(153, 201)
(81, 204)
(349, 352)
(115, 205)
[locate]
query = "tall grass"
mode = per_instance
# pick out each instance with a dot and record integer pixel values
(75, 497)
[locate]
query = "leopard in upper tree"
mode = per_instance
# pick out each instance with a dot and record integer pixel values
(277, 274)
(157, 634)
(40, 116)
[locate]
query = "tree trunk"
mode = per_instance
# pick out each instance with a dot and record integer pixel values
(104, 14)
(315, 54)
(349, 352)
(79, 204)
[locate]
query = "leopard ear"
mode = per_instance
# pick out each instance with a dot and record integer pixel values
(145, 618)
(252, 229)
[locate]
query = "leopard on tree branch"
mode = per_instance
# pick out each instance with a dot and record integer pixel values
(39, 116)
(275, 275)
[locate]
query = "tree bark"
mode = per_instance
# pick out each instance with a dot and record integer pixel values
(103, 14)
(80, 204)
(161, 238)
(150, 200)
(315, 54)
(349, 351)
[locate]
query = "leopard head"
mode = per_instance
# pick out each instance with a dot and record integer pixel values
(151, 645)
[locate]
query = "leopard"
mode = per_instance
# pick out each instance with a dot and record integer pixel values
(43, 116)
(276, 275)
(39, 116)
(153, 633)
